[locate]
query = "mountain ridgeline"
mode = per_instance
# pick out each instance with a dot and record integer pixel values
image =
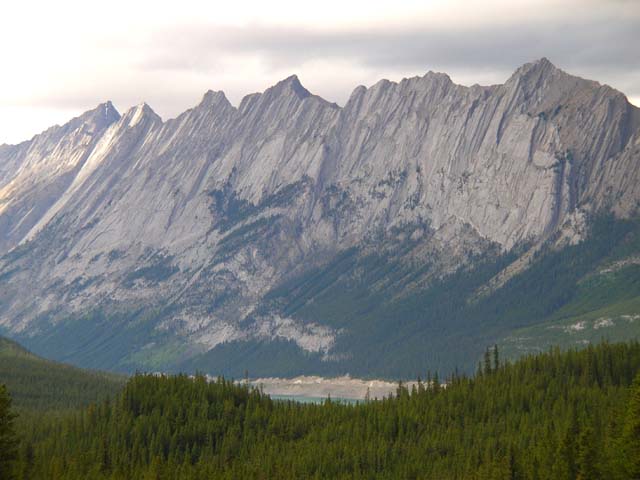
(405, 230)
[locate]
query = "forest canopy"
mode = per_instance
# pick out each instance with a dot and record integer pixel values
(571, 415)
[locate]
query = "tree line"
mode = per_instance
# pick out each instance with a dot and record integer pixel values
(558, 415)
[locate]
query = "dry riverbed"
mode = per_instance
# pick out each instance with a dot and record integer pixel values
(320, 387)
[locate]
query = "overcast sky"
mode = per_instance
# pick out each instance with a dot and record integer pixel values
(60, 58)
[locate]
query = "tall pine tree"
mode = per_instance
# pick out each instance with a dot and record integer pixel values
(631, 432)
(8, 438)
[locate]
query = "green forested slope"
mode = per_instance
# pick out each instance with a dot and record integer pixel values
(606, 305)
(39, 384)
(552, 416)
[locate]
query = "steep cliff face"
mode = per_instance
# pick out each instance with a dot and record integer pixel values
(35, 173)
(193, 222)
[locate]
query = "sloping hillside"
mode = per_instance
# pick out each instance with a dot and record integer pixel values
(39, 384)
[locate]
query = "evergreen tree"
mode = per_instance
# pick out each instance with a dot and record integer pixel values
(587, 455)
(487, 362)
(436, 382)
(569, 448)
(631, 432)
(8, 438)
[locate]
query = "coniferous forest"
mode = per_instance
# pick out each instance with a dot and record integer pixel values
(571, 415)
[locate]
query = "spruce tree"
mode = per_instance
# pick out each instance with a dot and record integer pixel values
(487, 362)
(8, 438)
(631, 432)
(587, 455)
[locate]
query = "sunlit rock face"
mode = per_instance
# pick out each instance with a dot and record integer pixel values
(196, 219)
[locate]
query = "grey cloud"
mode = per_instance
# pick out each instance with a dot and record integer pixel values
(603, 43)
(599, 44)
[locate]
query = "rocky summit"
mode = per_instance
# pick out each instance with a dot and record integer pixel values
(290, 235)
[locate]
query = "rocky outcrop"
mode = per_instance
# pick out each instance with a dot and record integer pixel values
(204, 214)
(35, 173)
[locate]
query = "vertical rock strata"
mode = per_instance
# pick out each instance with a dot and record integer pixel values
(201, 216)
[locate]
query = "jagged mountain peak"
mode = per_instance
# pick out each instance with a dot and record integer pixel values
(291, 87)
(291, 84)
(543, 63)
(541, 66)
(536, 73)
(430, 80)
(139, 113)
(215, 208)
(288, 92)
(109, 109)
(103, 115)
(213, 98)
(104, 111)
(539, 86)
(437, 76)
(97, 118)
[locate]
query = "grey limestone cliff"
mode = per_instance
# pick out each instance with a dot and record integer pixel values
(197, 218)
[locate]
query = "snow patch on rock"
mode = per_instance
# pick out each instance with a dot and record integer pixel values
(603, 323)
(576, 327)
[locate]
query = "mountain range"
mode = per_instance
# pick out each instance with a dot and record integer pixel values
(406, 230)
